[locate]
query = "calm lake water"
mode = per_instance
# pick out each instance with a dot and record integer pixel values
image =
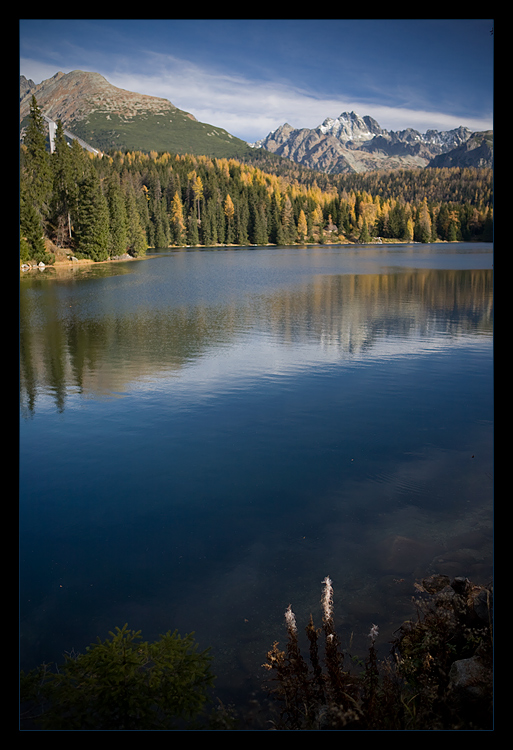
(206, 434)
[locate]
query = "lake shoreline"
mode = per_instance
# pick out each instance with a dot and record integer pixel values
(66, 264)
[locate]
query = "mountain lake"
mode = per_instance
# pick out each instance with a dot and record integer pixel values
(206, 434)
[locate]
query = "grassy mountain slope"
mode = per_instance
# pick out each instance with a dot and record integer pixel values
(171, 131)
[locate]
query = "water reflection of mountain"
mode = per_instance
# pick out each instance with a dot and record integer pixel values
(62, 351)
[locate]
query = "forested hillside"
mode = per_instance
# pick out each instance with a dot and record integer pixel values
(124, 202)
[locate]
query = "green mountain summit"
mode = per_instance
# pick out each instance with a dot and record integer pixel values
(108, 117)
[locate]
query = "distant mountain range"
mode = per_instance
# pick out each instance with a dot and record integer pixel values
(108, 117)
(352, 143)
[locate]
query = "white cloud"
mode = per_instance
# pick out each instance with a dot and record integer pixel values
(250, 109)
(246, 108)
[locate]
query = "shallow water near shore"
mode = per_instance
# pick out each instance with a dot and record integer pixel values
(206, 434)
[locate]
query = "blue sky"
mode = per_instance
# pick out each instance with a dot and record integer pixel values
(250, 76)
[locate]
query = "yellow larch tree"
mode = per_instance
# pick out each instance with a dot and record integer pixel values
(302, 227)
(177, 219)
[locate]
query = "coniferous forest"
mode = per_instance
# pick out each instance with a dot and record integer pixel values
(101, 207)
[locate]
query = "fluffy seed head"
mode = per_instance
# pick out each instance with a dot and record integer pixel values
(290, 619)
(327, 599)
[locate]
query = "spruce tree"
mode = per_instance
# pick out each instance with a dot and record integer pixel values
(423, 223)
(452, 235)
(118, 222)
(36, 162)
(242, 220)
(219, 219)
(32, 244)
(136, 236)
(258, 234)
(93, 218)
(274, 226)
(364, 234)
(209, 225)
(79, 163)
(160, 225)
(63, 194)
(192, 228)
(287, 222)
(396, 222)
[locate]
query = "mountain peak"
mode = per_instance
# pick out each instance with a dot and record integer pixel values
(108, 117)
(350, 127)
(67, 96)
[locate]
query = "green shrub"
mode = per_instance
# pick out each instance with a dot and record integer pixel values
(121, 683)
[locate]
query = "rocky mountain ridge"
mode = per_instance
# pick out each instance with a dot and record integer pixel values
(351, 143)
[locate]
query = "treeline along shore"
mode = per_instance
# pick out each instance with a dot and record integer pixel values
(98, 207)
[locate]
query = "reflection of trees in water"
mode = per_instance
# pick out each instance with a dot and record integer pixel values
(60, 349)
(352, 312)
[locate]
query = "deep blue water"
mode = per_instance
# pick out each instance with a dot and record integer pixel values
(205, 435)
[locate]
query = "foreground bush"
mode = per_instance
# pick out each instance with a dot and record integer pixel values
(121, 683)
